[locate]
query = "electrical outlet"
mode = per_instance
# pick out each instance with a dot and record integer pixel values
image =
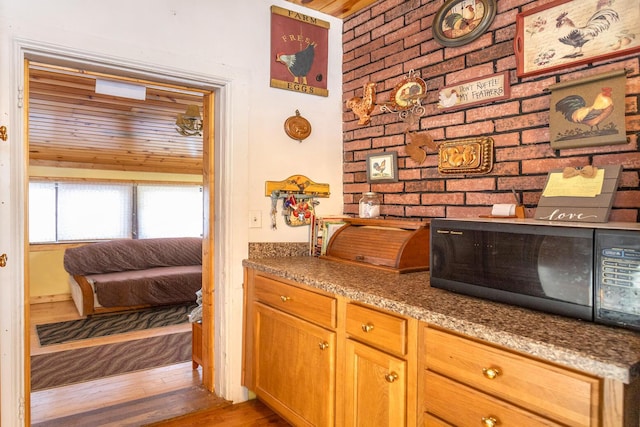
(255, 219)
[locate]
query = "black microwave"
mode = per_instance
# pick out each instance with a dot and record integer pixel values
(584, 271)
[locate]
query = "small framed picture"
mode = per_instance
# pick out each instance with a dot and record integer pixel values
(382, 167)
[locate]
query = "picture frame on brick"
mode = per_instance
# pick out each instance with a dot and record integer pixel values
(382, 167)
(567, 33)
(459, 22)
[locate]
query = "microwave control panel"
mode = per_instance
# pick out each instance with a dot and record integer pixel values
(618, 279)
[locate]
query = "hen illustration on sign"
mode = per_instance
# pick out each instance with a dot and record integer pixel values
(299, 51)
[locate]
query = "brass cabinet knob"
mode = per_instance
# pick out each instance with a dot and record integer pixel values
(490, 373)
(367, 327)
(324, 345)
(489, 421)
(284, 298)
(391, 377)
(3, 260)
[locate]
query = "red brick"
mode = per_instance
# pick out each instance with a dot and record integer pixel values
(402, 199)
(425, 211)
(390, 187)
(624, 215)
(532, 166)
(474, 129)
(525, 182)
(448, 198)
(384, 42)
(627, 199)
(392, 210)
(369, 26)
(534, 136)
(409, 174)
(489, 111)
(472, 184)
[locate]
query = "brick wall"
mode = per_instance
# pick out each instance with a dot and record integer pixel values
(384, 42)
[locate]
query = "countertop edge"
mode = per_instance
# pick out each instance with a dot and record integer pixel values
(327, 277)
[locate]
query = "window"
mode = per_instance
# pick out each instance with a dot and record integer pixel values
(66, 211)
(169, 211)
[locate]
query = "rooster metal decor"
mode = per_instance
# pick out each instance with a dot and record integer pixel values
(363, 107)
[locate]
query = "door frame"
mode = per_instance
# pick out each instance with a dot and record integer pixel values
(227, 185)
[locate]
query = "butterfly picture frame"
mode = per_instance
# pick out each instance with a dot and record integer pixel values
(382, 167)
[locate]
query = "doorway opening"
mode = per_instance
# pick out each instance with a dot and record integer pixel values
(75, 152)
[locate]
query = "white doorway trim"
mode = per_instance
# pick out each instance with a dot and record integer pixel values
(231, 188)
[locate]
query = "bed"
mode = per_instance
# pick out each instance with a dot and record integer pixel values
(128, 274)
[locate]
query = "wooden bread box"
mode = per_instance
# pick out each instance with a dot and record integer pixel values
(400, 246)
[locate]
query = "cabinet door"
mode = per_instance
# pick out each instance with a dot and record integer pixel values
(375, 391)
(295, 367)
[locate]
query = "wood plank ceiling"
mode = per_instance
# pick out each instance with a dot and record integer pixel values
(72, 126)
(338, 8)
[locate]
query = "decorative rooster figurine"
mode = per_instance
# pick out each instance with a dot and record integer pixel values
(363, 107)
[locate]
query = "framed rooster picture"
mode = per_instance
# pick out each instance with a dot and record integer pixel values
(588, 112)
(382, 167)
(567, 33)
(299, 52)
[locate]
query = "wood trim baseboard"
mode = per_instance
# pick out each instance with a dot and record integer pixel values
(41, 299)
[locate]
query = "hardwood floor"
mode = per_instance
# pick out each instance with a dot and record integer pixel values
(167, 396)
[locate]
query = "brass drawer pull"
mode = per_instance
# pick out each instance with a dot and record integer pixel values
(491, 373)
(489, 421)
(284, 298)
(391, 377)
(324, 345)
(367, 327)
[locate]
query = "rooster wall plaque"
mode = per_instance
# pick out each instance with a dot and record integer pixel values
(588, 112)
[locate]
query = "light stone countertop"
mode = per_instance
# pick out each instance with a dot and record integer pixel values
(604, 351)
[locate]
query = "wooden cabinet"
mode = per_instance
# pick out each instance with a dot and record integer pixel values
(320, 359)
(290, 349)
(379, 372)
(196, 344)
(295, 367)
(468, 382)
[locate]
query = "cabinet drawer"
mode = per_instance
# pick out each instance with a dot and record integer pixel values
(314, 307)
(381, 330)
(566, 396)
(463, 406)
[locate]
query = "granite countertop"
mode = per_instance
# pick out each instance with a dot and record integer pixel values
(604, 351)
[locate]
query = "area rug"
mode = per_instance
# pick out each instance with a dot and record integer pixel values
(90, 363)
(111, 324)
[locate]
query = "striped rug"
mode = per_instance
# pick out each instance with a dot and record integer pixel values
(110, 324)
(90, 363)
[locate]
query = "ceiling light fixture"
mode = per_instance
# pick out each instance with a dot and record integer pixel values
(190, 123)
(121, 89)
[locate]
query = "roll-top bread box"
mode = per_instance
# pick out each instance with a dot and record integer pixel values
(401, 246)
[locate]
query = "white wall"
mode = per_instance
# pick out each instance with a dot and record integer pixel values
(212, 38)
